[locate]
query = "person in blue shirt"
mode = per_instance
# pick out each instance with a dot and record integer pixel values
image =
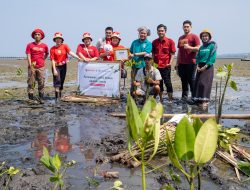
(139, 48)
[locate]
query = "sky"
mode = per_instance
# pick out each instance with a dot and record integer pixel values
(228, 20)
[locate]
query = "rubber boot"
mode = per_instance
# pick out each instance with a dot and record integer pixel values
(31, 96)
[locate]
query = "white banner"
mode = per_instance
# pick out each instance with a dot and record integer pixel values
(99, 79)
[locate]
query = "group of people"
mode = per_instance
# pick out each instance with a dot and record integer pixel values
(194, 63)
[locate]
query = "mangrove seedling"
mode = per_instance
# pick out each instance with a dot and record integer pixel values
(142, 128)
(195, 143)
(53, 163)
(225, 74)
(11, 171)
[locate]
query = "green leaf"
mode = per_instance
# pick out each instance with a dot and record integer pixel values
(147, 108)
(155, 115)
(168, 187)
(206, 142)
(172, 154)
(230, 67)
(117, 183)
(134, 122)
(56, 162)
(184, 140)
(54, 179)
(233, 85)
(92, 181)
(244, 167)
(233, 131)
(45, 160)
(221, 74)
(197, 125)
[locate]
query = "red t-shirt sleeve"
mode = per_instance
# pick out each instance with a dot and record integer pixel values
(172, 47)
(79, 49)
(178, 45)
(153, 47)
(46, 49)
(67, 48)
(52, 54)
(28, 49)
(197, 40)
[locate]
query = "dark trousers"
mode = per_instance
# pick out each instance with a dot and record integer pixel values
(58, 80)
(166, 78)
(187, 74)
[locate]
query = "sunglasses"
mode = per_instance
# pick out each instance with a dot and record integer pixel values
(147, 58)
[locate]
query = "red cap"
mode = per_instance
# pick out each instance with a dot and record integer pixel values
(58, 35)
(37, 30)
(86, 35)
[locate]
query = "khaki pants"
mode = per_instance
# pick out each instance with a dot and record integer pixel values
(33, 76)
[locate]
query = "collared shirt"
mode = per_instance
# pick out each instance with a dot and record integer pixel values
(153, 73)
(88, 52)
(59, 53)
(139, 46)
(37, 52)
(186, 56)
(162, 50)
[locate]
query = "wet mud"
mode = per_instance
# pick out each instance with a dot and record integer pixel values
(86, 133)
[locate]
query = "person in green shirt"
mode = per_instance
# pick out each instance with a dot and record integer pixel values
(139, 48)
(205, 60)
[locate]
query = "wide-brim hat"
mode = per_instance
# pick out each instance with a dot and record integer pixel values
(116, 34)
(206, 31)
(86, 35)
(37, 30)
(58, 35)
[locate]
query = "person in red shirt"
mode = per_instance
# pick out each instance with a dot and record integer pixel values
(59, 55)
(37, 53)
(86, 51)
(108, 54)
(188, 45)
(163, 52)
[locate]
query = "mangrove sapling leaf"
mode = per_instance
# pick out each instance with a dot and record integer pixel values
(156, 114)
(54, 179)
(244, 167)
(56, 162)
(134, 122)
(197, 123)
(172, 155)
(92, 182)
(233, 85)
(184, 140)
(221, 74)
(206, 142)
(147, 108)
(45, 160)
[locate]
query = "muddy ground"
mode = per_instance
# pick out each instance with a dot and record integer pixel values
(87, 134)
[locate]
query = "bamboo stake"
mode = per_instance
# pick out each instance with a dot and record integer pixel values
(202, 116)
(235, 168)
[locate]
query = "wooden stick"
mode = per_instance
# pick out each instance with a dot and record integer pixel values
(202, 116)
(235, 168)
